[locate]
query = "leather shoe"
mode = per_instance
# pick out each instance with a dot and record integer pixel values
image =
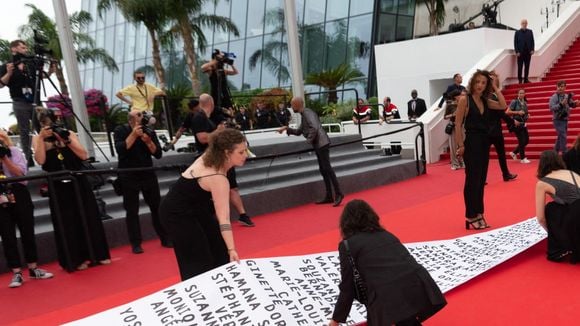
(324, 201)
(338, 200)
(509, 177)
(137, 249)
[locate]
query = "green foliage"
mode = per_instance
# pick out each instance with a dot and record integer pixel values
(5, 54)
(331, 79)
(178, 96)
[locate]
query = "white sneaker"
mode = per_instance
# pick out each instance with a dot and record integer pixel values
(455, 167)
(514, 156)
(40, 274)
(525, 161)
(16, 281)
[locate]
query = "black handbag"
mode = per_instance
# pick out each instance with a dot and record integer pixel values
(360, 286)
(449, 127)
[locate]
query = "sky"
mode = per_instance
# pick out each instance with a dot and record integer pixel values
(16, 17)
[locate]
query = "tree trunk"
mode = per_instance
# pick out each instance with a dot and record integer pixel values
(61, 81)
(434, 29)
(157, 64)
(332, 97)
(188, 49)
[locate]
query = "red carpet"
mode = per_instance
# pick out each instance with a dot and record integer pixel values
(526, 290)
(540, 126)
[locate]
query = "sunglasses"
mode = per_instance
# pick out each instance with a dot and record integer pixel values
(139, 78)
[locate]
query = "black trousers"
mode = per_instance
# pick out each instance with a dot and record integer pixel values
(330, 181)
(496, 139)
(523, 139)
(476, 158)
(524, 60)
(21, 215)
(147, 184)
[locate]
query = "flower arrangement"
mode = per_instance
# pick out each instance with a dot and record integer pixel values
(96, 102)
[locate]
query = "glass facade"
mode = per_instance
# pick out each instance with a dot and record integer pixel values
(331, 32)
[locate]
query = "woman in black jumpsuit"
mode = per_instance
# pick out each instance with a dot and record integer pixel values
(196, 213)
(472, 113)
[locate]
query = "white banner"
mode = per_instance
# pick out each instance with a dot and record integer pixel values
(302, 290)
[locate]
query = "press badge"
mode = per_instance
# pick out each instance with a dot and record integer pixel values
(27, 93)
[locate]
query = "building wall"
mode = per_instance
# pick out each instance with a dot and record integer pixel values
(333, 32)
(509, 13)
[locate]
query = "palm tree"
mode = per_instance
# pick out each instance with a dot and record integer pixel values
(188, 23)
(84, 44)
(151, 13)
(274, 49)
(5, 55)
(436, 9)
(331, 79)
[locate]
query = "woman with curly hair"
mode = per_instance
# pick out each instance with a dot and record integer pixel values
(196, 211)
(399, 290)
(473, 115)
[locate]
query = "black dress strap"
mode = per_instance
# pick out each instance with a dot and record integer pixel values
(576, 184)
(203, 176)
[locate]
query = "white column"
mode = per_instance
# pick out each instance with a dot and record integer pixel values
(72, 72)
(294, 48)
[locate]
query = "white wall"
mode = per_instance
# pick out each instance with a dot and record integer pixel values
(424, 63)
(509, 13)
(420, 63)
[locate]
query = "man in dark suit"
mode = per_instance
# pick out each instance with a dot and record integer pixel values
(457, 80)
(312, 130)
(524, 47)
(416, 106)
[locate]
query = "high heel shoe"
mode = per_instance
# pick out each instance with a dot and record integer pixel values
(105, 262)
(476, 223)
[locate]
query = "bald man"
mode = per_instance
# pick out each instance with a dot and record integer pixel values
(201, 127)
(524, 48)
(312, 130)
(135, 148)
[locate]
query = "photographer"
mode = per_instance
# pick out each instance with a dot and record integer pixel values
(20, 75)
(560, 104)
(193, 106)
(202, 127)
(57, 149)
(220, 66)
(136, 142)
(16, 210)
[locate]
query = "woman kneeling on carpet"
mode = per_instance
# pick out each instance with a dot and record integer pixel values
(560, 218)
(201, 241)
(398, 289)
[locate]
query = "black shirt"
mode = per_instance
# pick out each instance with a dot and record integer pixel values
(201, 123)
(138, 155)
(283, 116)
(243, 120)
(187, 123)
(19, 81)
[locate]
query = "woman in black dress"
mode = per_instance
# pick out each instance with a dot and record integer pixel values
(196, 211)
(561, 217)
(473, 115)
(399, 290)
(56, 152)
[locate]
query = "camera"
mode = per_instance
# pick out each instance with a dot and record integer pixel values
(223, 57)
(40, 43)
(4, 150)
(147, 120)
(60, 130)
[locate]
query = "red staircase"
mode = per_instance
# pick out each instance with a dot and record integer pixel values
(540, 127)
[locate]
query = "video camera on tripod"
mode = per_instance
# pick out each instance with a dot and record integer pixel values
(39, 48)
